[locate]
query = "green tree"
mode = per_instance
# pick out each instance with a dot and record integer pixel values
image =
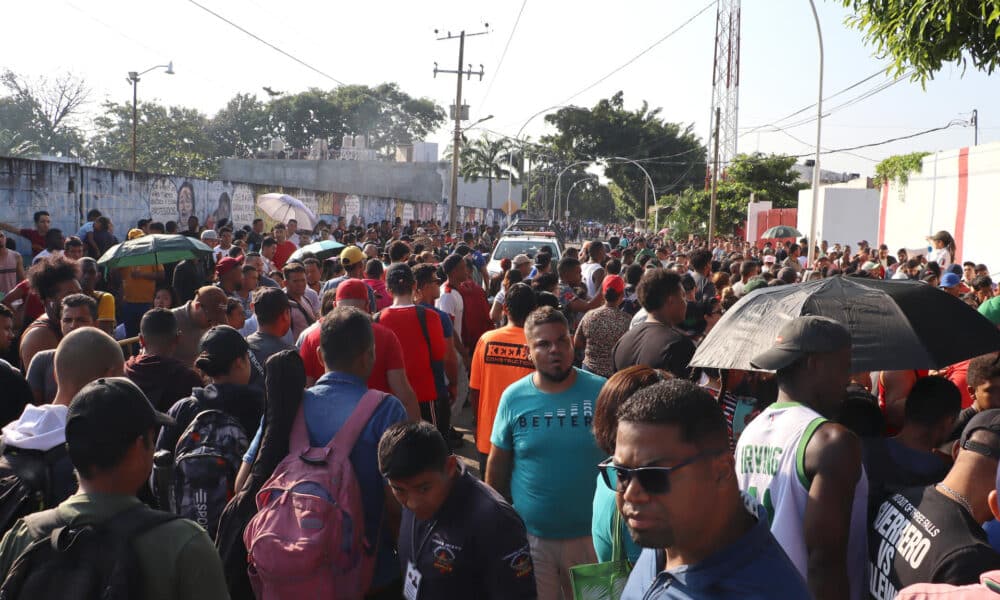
(672, 154)
(385, 114)
(485, 158)
(301, 118)
(240, 130)
(921, 36)
(169, 140)
(45, 112)
(763, 177)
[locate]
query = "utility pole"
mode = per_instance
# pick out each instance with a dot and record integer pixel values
(457, 144)
(975, 123)
(715, 180)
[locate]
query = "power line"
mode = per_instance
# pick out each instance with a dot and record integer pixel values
(831, 97)
(889, 141)
(298, 60)
(503, 55)
(641, 54)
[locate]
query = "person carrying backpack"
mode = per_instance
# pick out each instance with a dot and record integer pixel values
(211, 432)
(103, 543)
(35, 471)
(345, 548)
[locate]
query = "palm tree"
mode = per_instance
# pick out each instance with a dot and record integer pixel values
(485, 157)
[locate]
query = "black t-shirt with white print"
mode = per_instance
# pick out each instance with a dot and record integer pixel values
(921, 535)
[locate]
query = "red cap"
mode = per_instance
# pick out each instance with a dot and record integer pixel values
(614, 282)
(352, 289)
(226, 265)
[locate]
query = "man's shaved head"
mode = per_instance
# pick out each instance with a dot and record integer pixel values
(84, 355)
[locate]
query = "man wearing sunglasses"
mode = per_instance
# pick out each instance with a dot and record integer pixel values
(804, 469)
(677, 490)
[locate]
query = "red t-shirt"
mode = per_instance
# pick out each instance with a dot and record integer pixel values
(282, 252)
(958, 374)
(33, 307)
(37, 240)
(404, 323)
(388, 357)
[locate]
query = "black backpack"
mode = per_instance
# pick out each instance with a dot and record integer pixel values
(93, 561)
(32, 480)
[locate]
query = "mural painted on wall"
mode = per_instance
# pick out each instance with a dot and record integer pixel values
(68, 191)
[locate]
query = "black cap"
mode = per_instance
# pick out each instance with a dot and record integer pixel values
(802, 336)
(399, 274)
(113, 408)
(990, 421)
(222, 345)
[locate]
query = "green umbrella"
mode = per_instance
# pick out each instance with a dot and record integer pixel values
(321, 250)
(153, 249)
(781, 231)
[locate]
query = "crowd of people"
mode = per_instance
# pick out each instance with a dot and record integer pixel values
(249, 425)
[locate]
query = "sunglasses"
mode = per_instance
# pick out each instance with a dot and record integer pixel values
(654, 480)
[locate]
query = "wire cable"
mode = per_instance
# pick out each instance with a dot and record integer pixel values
(503, 55)
(641, 54)
(298, 60)
(889, 141)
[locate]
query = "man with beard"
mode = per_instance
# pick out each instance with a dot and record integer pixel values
(543, 453)
(677, 491)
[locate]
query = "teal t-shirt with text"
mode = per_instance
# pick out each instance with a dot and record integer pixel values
(555, 456)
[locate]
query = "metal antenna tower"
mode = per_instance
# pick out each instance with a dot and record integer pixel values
(726, 80)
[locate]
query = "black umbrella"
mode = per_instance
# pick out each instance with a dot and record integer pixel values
(894, 325)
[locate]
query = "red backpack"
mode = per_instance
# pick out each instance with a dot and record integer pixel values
(475, 313)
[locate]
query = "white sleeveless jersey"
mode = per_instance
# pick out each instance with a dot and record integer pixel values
(588, 269)
(770, 466)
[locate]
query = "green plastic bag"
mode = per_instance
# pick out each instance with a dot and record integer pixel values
(606, 580)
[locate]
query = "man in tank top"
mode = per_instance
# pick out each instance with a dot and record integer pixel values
(805, 470)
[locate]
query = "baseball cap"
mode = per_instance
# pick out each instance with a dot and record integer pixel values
(226, 265)
(221, 345)
(614, 282)
(521, 259)
(991, 310)
(990, 421)
(870, 266)
(769, 259)
(399, 274)
(209, 234)
(111, 407)
(352, 289)
(135, 233)
(949, 280)
(802, 336)
(352, 255)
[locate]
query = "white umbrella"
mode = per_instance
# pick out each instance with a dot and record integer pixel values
(284, 208)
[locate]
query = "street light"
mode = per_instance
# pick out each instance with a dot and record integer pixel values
(133, 78)
(592, 177)
(811, 255)
(455, 151)
(517, 138)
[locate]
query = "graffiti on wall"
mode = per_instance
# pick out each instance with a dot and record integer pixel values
(68, 191)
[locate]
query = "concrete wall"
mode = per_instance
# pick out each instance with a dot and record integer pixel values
(955, 191)
(846, 215)
(67, 191)
(408, 181)
(416, 182)
(753, 210)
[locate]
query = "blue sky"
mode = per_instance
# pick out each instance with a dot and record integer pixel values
(558, 48)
